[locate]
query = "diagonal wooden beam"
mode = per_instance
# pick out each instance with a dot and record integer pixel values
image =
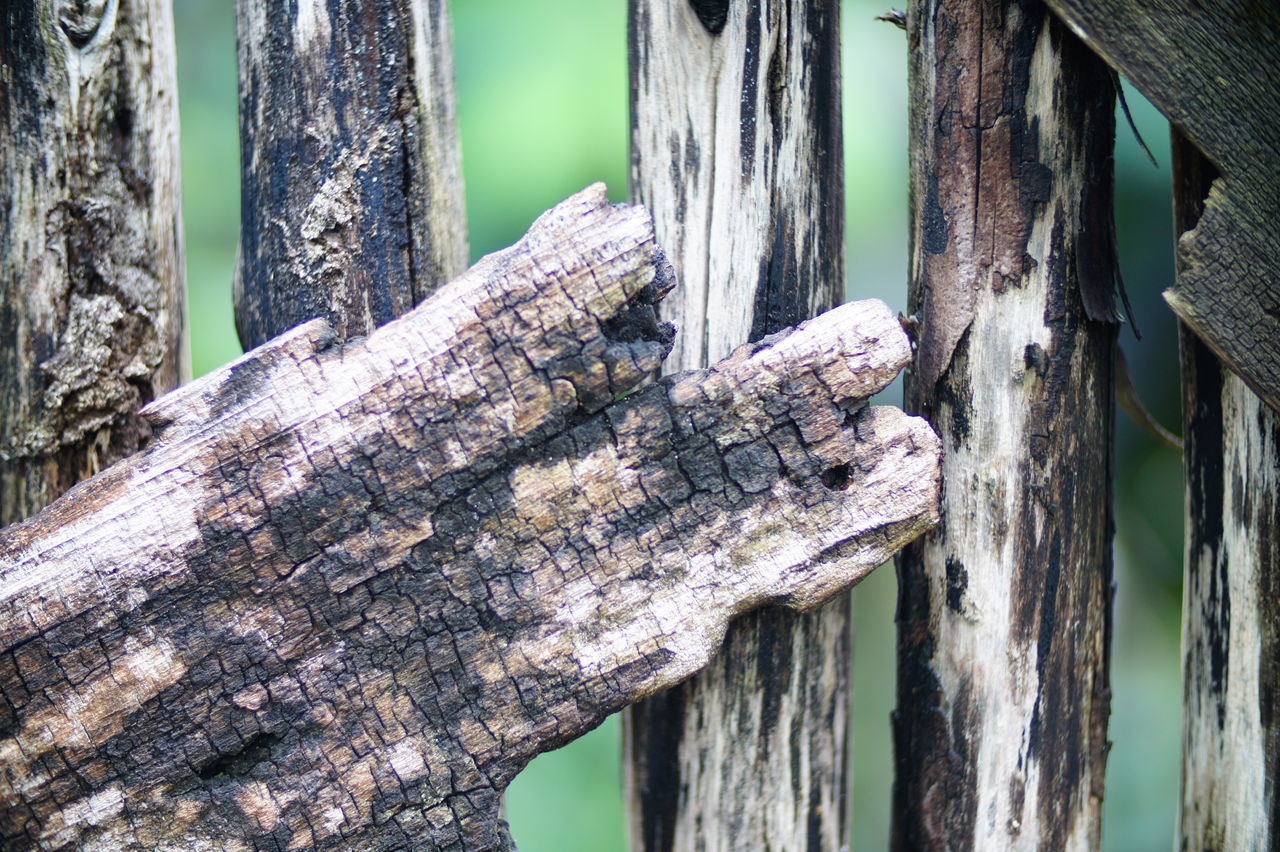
(1214, 70)
(349, 591)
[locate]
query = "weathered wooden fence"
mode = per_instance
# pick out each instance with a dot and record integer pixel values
(337, 594)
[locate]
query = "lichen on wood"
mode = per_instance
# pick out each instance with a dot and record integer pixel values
(351, 195)
(91, 283)
(349, 590)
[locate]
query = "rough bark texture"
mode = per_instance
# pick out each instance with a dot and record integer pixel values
(1231, 612)
(91, 284)
(348, 591)
(1004, 610)
(736, 147)
(1214, 70)
(351, 196)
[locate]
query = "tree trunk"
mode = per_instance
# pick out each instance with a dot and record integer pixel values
(349, 591)
(1004, 609)
(736, 148)
(351, 198)
(91, 283)
(1231, 612)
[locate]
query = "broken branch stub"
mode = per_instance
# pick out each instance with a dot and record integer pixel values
(350, 590)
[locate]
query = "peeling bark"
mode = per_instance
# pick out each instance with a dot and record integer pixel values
(1231, 610)
(1004, 609)
(91, 284)
(351, 200)
(348, 591)
(736, 147)
(1214, 70)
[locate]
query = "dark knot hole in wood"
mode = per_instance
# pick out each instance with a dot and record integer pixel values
(836, 478)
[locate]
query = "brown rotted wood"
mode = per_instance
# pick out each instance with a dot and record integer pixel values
(349, 591)
(1231, 616)
(91, 284)
(1004, 609)
(1214, 70)
(736, 148)
(351, 189)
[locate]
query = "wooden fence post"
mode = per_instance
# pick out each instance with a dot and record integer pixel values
(91, 281)
(1231, 609)
(351, 200)
(1004, 609)
(736, 149)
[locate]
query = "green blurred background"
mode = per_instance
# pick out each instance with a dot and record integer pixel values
(542, 93)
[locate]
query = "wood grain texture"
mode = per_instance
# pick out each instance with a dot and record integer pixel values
(736, 148)
(1004, 609)
(1214, 70)
(348, 591)
(91, 282)
(351, 190)
(1231, 618)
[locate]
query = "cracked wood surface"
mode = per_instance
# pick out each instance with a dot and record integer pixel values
(351, 177)
(736, 148)
(1214, 70)
(1004, 609)
(1231, 611)
(348, 591)
(91, 282)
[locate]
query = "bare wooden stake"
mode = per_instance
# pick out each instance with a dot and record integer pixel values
(91, 283)
(349, 591)
(736, 147)
(351, 199)
(1004, 610)
(1231, 610)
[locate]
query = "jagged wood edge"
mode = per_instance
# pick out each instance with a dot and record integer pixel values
(349, 591)
(1214, 71)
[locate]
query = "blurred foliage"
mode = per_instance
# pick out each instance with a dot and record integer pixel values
(542, 91)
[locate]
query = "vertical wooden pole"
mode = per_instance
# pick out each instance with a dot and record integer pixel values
(1004, 610)
(351, 200)
(91, 281)
(1231, 596)
(736, 149)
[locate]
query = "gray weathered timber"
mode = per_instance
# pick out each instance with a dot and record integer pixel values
(91, 283)
(1214, 70)
(736, 148)
(349, 590)
(351, 189)
(1231, 613)
(1003, 697)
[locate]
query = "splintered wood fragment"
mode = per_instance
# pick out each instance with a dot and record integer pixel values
(1214, 70)
(349, 591)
